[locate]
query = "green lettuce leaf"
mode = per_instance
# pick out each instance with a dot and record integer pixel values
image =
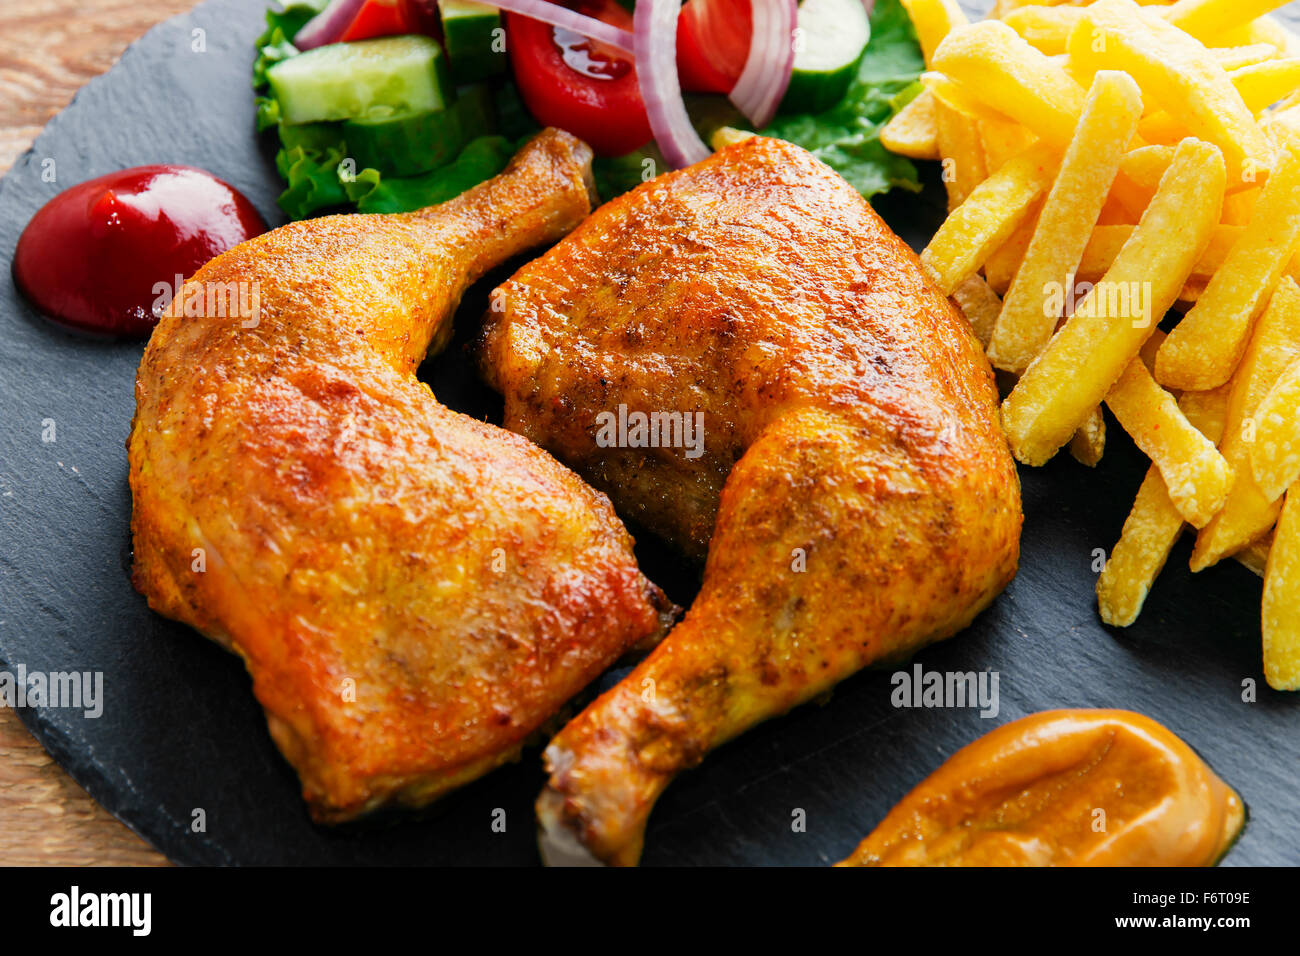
(847, 136)
(268, 112)
(314, 180)
(290, 18)
(276, 42)
(275, 49)
(481, 159)
(615, 175)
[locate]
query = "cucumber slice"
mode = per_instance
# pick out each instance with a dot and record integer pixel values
(369, 79)
(834, 36)
(414, 143)
(472, 41)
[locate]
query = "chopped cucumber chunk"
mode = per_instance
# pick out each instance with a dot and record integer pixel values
(405, 145)
(414, 143)
(320, 136)
(366, 80)
(475, 46)
(833, 36)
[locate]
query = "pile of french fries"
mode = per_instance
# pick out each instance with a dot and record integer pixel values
(1107, 163)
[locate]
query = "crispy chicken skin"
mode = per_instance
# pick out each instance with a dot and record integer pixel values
(413, 592)
(856, 499)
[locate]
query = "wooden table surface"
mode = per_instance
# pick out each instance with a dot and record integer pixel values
(48, 50)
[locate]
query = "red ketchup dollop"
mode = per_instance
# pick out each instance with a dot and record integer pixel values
(95, 257)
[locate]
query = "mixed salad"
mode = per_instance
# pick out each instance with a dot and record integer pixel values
(393, 105)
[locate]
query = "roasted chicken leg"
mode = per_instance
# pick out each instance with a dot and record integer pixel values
(854, 492)
(413, 592)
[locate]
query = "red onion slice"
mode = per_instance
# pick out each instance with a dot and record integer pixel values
(328, 25)
(654, 30)
(767, 71)
(558, 16)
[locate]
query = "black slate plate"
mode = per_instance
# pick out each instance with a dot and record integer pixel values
(180, 731)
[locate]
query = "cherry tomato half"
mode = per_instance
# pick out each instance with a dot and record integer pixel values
(713, 38)
(578, 84)
(382, 18)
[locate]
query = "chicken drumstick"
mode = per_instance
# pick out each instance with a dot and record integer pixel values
(414, 592)
(853, 491)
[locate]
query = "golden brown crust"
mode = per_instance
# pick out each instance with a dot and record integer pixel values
(413, 592)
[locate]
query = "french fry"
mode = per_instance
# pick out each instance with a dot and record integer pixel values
(980, 305)
(1149, 348)
(1137, 180)
(1248, 512)
(1185, 191)
(1045, 28)
(1150, 532)
(1206, 345)
(1069, 214)
(1191, 293)
(1103, 246)
(1003, 139)
(1207, 411)
(1147, 165)
(1196, 476)
(1291, 102)
(1113, 213)
(1004, 7)
(1089, 442)
(993, 64)
(1106, 241)
(1005, 260)
(912, 132)
(1281, 122)
(1263, 29)
(1254, 556)
(1235, 57)
(933, 20)
(1275, 452)
(1129, 196)
(988, 217)
(1224, 238)
(1101, 337)
(1179, 74)
(1263, 84)
(1239, 207)
(1266, 29)
(1208, 19)
(1154, 523)
(962, 152)
(1280, 609)
(959, 98)
(1162, 129)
